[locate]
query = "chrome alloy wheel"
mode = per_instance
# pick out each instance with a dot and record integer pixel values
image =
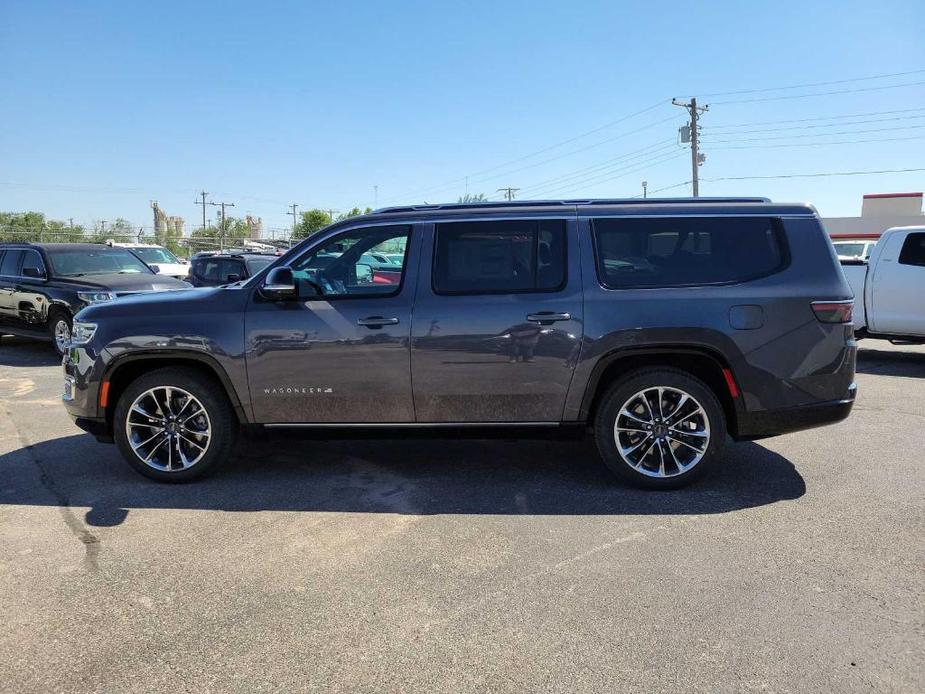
(62, 336)
(168, 429)
(662, 432)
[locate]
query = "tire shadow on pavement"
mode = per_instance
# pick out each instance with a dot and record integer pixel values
(441, 476)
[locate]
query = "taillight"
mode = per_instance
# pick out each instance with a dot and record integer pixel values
(833, 311)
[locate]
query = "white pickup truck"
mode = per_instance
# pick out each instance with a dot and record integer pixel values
(889, 288)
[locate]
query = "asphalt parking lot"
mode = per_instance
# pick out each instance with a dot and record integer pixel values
(465, 566)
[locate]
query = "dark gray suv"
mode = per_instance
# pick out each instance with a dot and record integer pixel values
(663, 325)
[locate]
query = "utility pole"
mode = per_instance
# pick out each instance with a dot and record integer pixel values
(375, 197)
(331, 212)
(294, 218)
(203, 195)
(645, 184)
(221, 233)
(696, 158)
(508, 192)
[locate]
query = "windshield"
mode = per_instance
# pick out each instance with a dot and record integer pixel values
(155, 255)
(255, 265)
(102, 261)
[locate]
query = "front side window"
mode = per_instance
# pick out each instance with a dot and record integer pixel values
(685, 251)
(913, 251)
(101, 261)
(346, 265)
(32, 259)
(499, 257)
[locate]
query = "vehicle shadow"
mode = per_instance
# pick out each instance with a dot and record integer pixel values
(422, 477)
(881, 362)
(24, 351)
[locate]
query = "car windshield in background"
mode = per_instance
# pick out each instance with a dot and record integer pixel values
(255, 265)
(103, 261)
(156, 255)
(850, 250)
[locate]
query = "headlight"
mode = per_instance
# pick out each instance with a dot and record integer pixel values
(95, 297)
(82, 333)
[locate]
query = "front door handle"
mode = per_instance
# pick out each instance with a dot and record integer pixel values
(375, 322)
(547, 317)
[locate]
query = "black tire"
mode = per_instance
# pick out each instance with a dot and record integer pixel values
(56, 316)
(221, 419)
(621, 392)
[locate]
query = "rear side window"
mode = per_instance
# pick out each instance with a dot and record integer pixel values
(913, 251)
(218, 269)
(499, 257)
(685, 251)
(9, 266)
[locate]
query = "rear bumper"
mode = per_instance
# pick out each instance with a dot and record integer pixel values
(758, 425)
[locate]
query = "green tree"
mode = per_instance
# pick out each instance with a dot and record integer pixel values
(311, 222)
(32, 226)
(469, 197)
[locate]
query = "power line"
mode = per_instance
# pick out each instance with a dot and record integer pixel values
(640, 166)
(814, 175)
(509, 193)
(543, 150)
(817, 118)
(823, 144)
(602, 174)
(644, 151)
(841, 132)
(814, 126)
(816, 84)
(804, 96)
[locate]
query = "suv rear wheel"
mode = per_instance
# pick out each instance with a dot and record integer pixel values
(174, 425)
(660, 428)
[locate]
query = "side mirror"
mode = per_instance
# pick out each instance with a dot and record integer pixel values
(364, 273)
(233, 277)
(156, 269)
(279, 285)
(33, 272)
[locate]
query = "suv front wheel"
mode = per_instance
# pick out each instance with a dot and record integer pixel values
(660, 428)
(174, 425)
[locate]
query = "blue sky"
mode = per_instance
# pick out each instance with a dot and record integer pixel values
(108, 105)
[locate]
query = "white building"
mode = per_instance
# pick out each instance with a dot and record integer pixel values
(879, 212)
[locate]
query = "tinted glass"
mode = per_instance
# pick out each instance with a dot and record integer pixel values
(32, 259)
(499, 257)
(10, 264)
(346, 264)
(913, 252)
(255, 265)
(96, 261)
(673, 252)
(217, 270)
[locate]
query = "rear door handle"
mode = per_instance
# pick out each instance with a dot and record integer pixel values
(376, 322)
(548, 317)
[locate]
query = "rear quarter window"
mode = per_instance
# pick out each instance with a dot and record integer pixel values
(686, 251)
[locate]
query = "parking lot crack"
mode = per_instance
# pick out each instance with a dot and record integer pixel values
(80, 531)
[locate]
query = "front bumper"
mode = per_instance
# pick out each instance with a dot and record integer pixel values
(759, 425)
(82, 372)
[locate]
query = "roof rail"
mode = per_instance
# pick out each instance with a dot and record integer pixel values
(563, 203)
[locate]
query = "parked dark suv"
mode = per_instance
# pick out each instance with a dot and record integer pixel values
(42, 285)
(212, 269)
(663, 325)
